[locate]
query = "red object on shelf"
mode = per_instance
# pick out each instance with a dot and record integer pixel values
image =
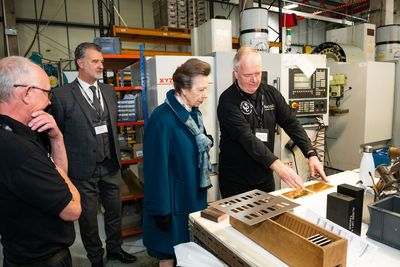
(131, 161)
(132, 197)
(128, 123)
(128, 88)
(126, 233)
(288, 20)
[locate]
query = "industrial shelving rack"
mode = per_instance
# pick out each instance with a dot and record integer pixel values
(117, 62)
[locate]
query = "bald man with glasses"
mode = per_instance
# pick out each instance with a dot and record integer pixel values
(48, 92)
(38, 202)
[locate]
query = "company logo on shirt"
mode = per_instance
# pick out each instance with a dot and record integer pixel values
(269, 107)
(245, 108)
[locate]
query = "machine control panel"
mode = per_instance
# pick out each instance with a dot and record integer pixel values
(308, 95)
(309, 106)
(300, 86)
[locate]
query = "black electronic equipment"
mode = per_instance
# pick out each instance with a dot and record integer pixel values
(307, 95)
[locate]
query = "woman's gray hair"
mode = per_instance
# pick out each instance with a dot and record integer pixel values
(184, 74)
(11, 70)
(239, 55)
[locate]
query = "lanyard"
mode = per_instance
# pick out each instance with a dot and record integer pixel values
(89, 100)
(259, 116)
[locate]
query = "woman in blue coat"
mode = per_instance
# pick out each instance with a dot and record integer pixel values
(177, 165)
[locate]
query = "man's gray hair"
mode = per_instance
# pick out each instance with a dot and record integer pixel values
(240, 53)
(12, 69)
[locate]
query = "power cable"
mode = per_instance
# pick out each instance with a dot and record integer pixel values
(290, 145)
(54, 41)
(273, 2)
(37, 29)
(319, 143)
(222, 6)
(229, 15)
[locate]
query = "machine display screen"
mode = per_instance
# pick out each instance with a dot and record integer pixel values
(300, 86)
(301, 81)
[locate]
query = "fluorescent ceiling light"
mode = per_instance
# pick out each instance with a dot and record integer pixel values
(291, 6)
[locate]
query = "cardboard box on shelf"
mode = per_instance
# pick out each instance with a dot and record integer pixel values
(131, 216)
(131, 184)
(137, 151)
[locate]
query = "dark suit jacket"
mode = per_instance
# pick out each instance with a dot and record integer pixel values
(71, 112)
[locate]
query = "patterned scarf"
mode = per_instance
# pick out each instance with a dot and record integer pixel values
(203, 144)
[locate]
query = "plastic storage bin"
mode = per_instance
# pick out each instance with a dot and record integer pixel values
(385, 221)
(109, 45)
(381, 157)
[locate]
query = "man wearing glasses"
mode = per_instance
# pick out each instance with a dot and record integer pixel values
(38, 202)
(86, 112)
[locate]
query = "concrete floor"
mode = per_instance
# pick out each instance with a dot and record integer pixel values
(132, 245)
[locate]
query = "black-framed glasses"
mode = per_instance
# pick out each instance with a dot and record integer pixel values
(49, 92)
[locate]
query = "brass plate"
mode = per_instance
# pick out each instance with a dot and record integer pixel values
(254, 206)
(318, 187)
(297, 193)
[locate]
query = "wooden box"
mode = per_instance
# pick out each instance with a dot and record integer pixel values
(286, 237)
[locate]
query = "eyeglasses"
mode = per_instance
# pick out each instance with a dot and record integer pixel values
(49, 92)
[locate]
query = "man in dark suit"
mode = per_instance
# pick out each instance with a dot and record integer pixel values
(86, 112)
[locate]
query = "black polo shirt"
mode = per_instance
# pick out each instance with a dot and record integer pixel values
(32, 194)
(243, 157)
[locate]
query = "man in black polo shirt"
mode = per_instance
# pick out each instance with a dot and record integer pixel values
(248, 112)
(38, 202)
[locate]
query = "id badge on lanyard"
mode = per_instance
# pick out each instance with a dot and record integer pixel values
(262, 134)
(101, 128)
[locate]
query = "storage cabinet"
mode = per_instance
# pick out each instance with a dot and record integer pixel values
(130, 126)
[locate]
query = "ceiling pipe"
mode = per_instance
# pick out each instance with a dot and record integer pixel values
(340, 7)
(358, 10)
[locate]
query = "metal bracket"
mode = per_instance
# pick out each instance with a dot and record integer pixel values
(254, 206)
(8, 30)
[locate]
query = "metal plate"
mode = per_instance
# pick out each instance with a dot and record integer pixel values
(254, 206)
(297, 193)
(318, 187)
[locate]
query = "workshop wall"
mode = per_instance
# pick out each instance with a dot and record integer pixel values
(59, 41)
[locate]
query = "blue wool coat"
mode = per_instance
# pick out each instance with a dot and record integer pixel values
(171, 177)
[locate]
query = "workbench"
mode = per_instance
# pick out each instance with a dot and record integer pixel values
(251, 254)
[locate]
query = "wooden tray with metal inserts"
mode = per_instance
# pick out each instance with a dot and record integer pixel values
(264, 219)
(296, 241)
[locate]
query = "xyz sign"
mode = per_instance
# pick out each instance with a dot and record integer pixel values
(165, 81)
